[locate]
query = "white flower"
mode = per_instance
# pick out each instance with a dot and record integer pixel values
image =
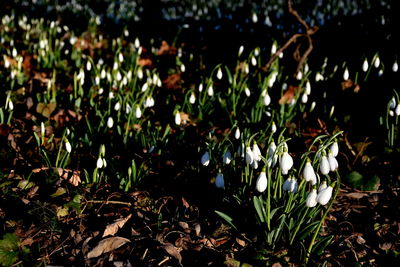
(377, 62)
(119, 76)
(140, 73)
(205, 159)
(365, 65)
(273, 49)
(241, 150)
(273, 127)
(397, 110)
(219, 181)
(324, 167)
(145, 87)
(334, 148)
(237, 133)
(346, 74)
(219, 74)
(138, 112)
(192, 98)
(120, 57)
(183, 68)
(290, 185)
(104, 163)
(308, 88)
(68, 146)
(309, 173)
(391, 113)
(271, 149)
(241, 49)
(286, 162)
(254, 164)
(99, 163)
(286, 184)
(249, 155)
(110, 122)
(262, 182)
(299, 75)
(177, 118)
(210, 90)
(392, 103)
(10, 105)
(395, 67)
(271, 162)
(333, 164)
(88, 66)
(200, 87)
(253, 61)
(266, 99)
(117, 106)
(311, 200)
(128, 108)
(254, 18)
(325, 195)
(322, 186)
(227, 158)
(256, 152)
(304, 98)
(247, 91)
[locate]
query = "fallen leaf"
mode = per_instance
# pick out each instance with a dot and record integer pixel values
(72, 176)
(356, 195)
(165, 48)
(111, 229)
(288, 95)
(173, 251)
(46, 109)
(173, 81)
(107, 245)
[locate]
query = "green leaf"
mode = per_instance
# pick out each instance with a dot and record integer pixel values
(320, 246)
(226, 218)
(372, 184)
(9, 249)
(354, 179)
(258, 204)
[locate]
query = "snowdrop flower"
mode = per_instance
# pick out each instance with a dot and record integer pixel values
(219, 181)
(110, 122)
(309, 173)
(137, 43)
(253, 61)
(311, 200)
(241, 150)
(205, 159)
(290, 185)
(304, 98)
(254, 18)
(319, 77)
(322, 186)
(117, 106)
(246, 69)
(140, 73)
(365, 65)
(299, 75)
(241, 49)
(247, 92)
(346, 74)
(120, 57)
(377, 62)
(192, 98)
(324, 166)
(145, 87)
(333, 164)
(183, 68)
(237, 133)
(286, 184)
(249, 155)
(104, 163)
(210, 90)
(392, 103)
(138, 112)
(325, 195)
(99, 163)
(396, 111)
(286, 162)
(68, 146)
(395, 67)
(273, 49)
(254, 164)
(10, 105)
(128, 108)
(334, 148)
(200, 87)
(227, 158)
(256, 152)
(88, 66)
(219, 74)
(273, 127)
(308, 88)
(266, 99)
(271, 149)
(391, 113)
(262, 182)
(271, 162)
(177, 118)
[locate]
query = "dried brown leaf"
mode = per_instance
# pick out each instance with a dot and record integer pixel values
(289, 95)
(111, 229)
(173, 251)
(107, 245)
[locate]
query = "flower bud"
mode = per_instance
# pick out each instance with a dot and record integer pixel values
(227, 158)
(138, 112)
(237, 133)
(311, 200)
(110, 122)
(309, 173)
(322, 186)
(68, 146)
(286, 162)
(219, 74)
(99, 163)
(205, 159)
(219, 181)
(324, 167)
(177, 118)
(256, 152)
(334, 148)
(261, 183)
(249, 155)
(325, 195)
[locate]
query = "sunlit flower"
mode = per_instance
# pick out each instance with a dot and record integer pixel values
(247, 91)
(256, 152)
(304, 98)
(377, 62)
(110, 122)
(309, 173)
(241, 49)
(311, 200)
(205, 159)
(253, 61)
(308, 88)
(237, 133)
(273, 127)
(177, 118)
(117, 106)
(138, 112)
(395, 67)
(210, 90)
(68, 146)
(227, 158)
(322, 186)
(333, 163)
(249, 155)
(183, 68)
(266, 99)
(219, 74)
(324, 167)
(192, 98)
(325, 195)
(219, 181)
(334, 148)
(286, 162)
(346, 74)
(365, 65)
(397, 110)
(99, 163)
(262, 182)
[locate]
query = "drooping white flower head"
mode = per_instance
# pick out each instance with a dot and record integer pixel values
(322, 186)
(205, 159)
(178, 118)
(266, 99)
(333, 164)
(99, 163)
(286, 162)
(309, 173)
(273, 127)
(227, 158)
(219, 74)
(192, 98)
(241, 49)
(262, 182)
(377, 62)
(311, 200)
(249, 155)
(254, 164)
(304, 98)
(286, 184)
(68, 146)
(117, 106)
(256, 152)
(293, 186)
(237, 133)
(138, 112)
(210, 90)
(271, 149)
(110, 122)
(392, 103)
(346, 74)
(397, 110)
(365, 65)
(334, 148)
(324, 167)
(219, 181)
(308, 88)
(395, 67)
(253, 61)
(247, 91)
(325, 195)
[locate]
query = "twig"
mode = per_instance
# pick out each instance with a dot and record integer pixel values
(105, 202)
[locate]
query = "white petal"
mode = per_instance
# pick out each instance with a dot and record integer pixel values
(324, 165)
(249, 155)
(205, 159)
(262, 182)
(324, 196)
(311, 200)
